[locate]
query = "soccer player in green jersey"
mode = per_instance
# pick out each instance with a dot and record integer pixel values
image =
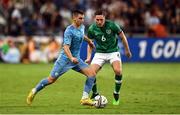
(105, 33)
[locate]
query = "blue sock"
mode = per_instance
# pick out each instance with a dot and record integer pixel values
(42, 84)
(89, 84)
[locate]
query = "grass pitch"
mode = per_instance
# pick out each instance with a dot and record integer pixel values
(147, 88)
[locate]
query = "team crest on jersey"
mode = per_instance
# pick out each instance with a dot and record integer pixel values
(108, 31)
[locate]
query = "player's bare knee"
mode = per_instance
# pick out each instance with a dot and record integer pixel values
(118, 71)
(92, 72)
(51, 80)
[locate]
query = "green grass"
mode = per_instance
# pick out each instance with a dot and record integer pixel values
(147, 88)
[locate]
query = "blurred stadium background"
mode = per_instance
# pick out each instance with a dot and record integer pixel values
(31, 31)
(34, 28)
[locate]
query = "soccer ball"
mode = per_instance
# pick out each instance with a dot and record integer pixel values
(100, 101)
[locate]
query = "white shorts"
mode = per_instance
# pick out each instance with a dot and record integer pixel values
(101, 58)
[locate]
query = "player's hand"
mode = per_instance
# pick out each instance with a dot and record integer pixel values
(128, 53)
(88, 61)
(74, 60)
(91, 44)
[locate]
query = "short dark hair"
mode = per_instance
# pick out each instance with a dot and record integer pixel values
(100, 12)
(76, 12)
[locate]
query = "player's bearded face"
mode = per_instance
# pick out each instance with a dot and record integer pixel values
(79, 19)
(100, 19)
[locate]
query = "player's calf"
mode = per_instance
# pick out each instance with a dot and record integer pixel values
(38, 88)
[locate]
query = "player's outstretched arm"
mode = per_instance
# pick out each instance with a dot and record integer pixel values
(125, 43)
(69, 55)
(89, 52)
(90, 42)
(89, 49)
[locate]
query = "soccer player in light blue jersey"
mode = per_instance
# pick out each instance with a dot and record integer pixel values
(69, 58)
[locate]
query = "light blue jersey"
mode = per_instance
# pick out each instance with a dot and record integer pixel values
(73, 37)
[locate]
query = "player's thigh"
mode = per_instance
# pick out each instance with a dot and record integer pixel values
(83, 68)
(60, 67)
(115, 60)
(95, 67)
(88, 72)
(99, 59)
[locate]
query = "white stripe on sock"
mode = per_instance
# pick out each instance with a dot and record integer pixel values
(118, 81)
(116, 92)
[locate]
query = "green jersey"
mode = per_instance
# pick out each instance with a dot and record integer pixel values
(105, 37)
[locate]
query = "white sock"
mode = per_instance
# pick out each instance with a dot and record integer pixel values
(85, 95)
(34, 90)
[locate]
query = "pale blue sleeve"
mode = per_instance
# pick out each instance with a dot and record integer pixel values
(67, 37)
